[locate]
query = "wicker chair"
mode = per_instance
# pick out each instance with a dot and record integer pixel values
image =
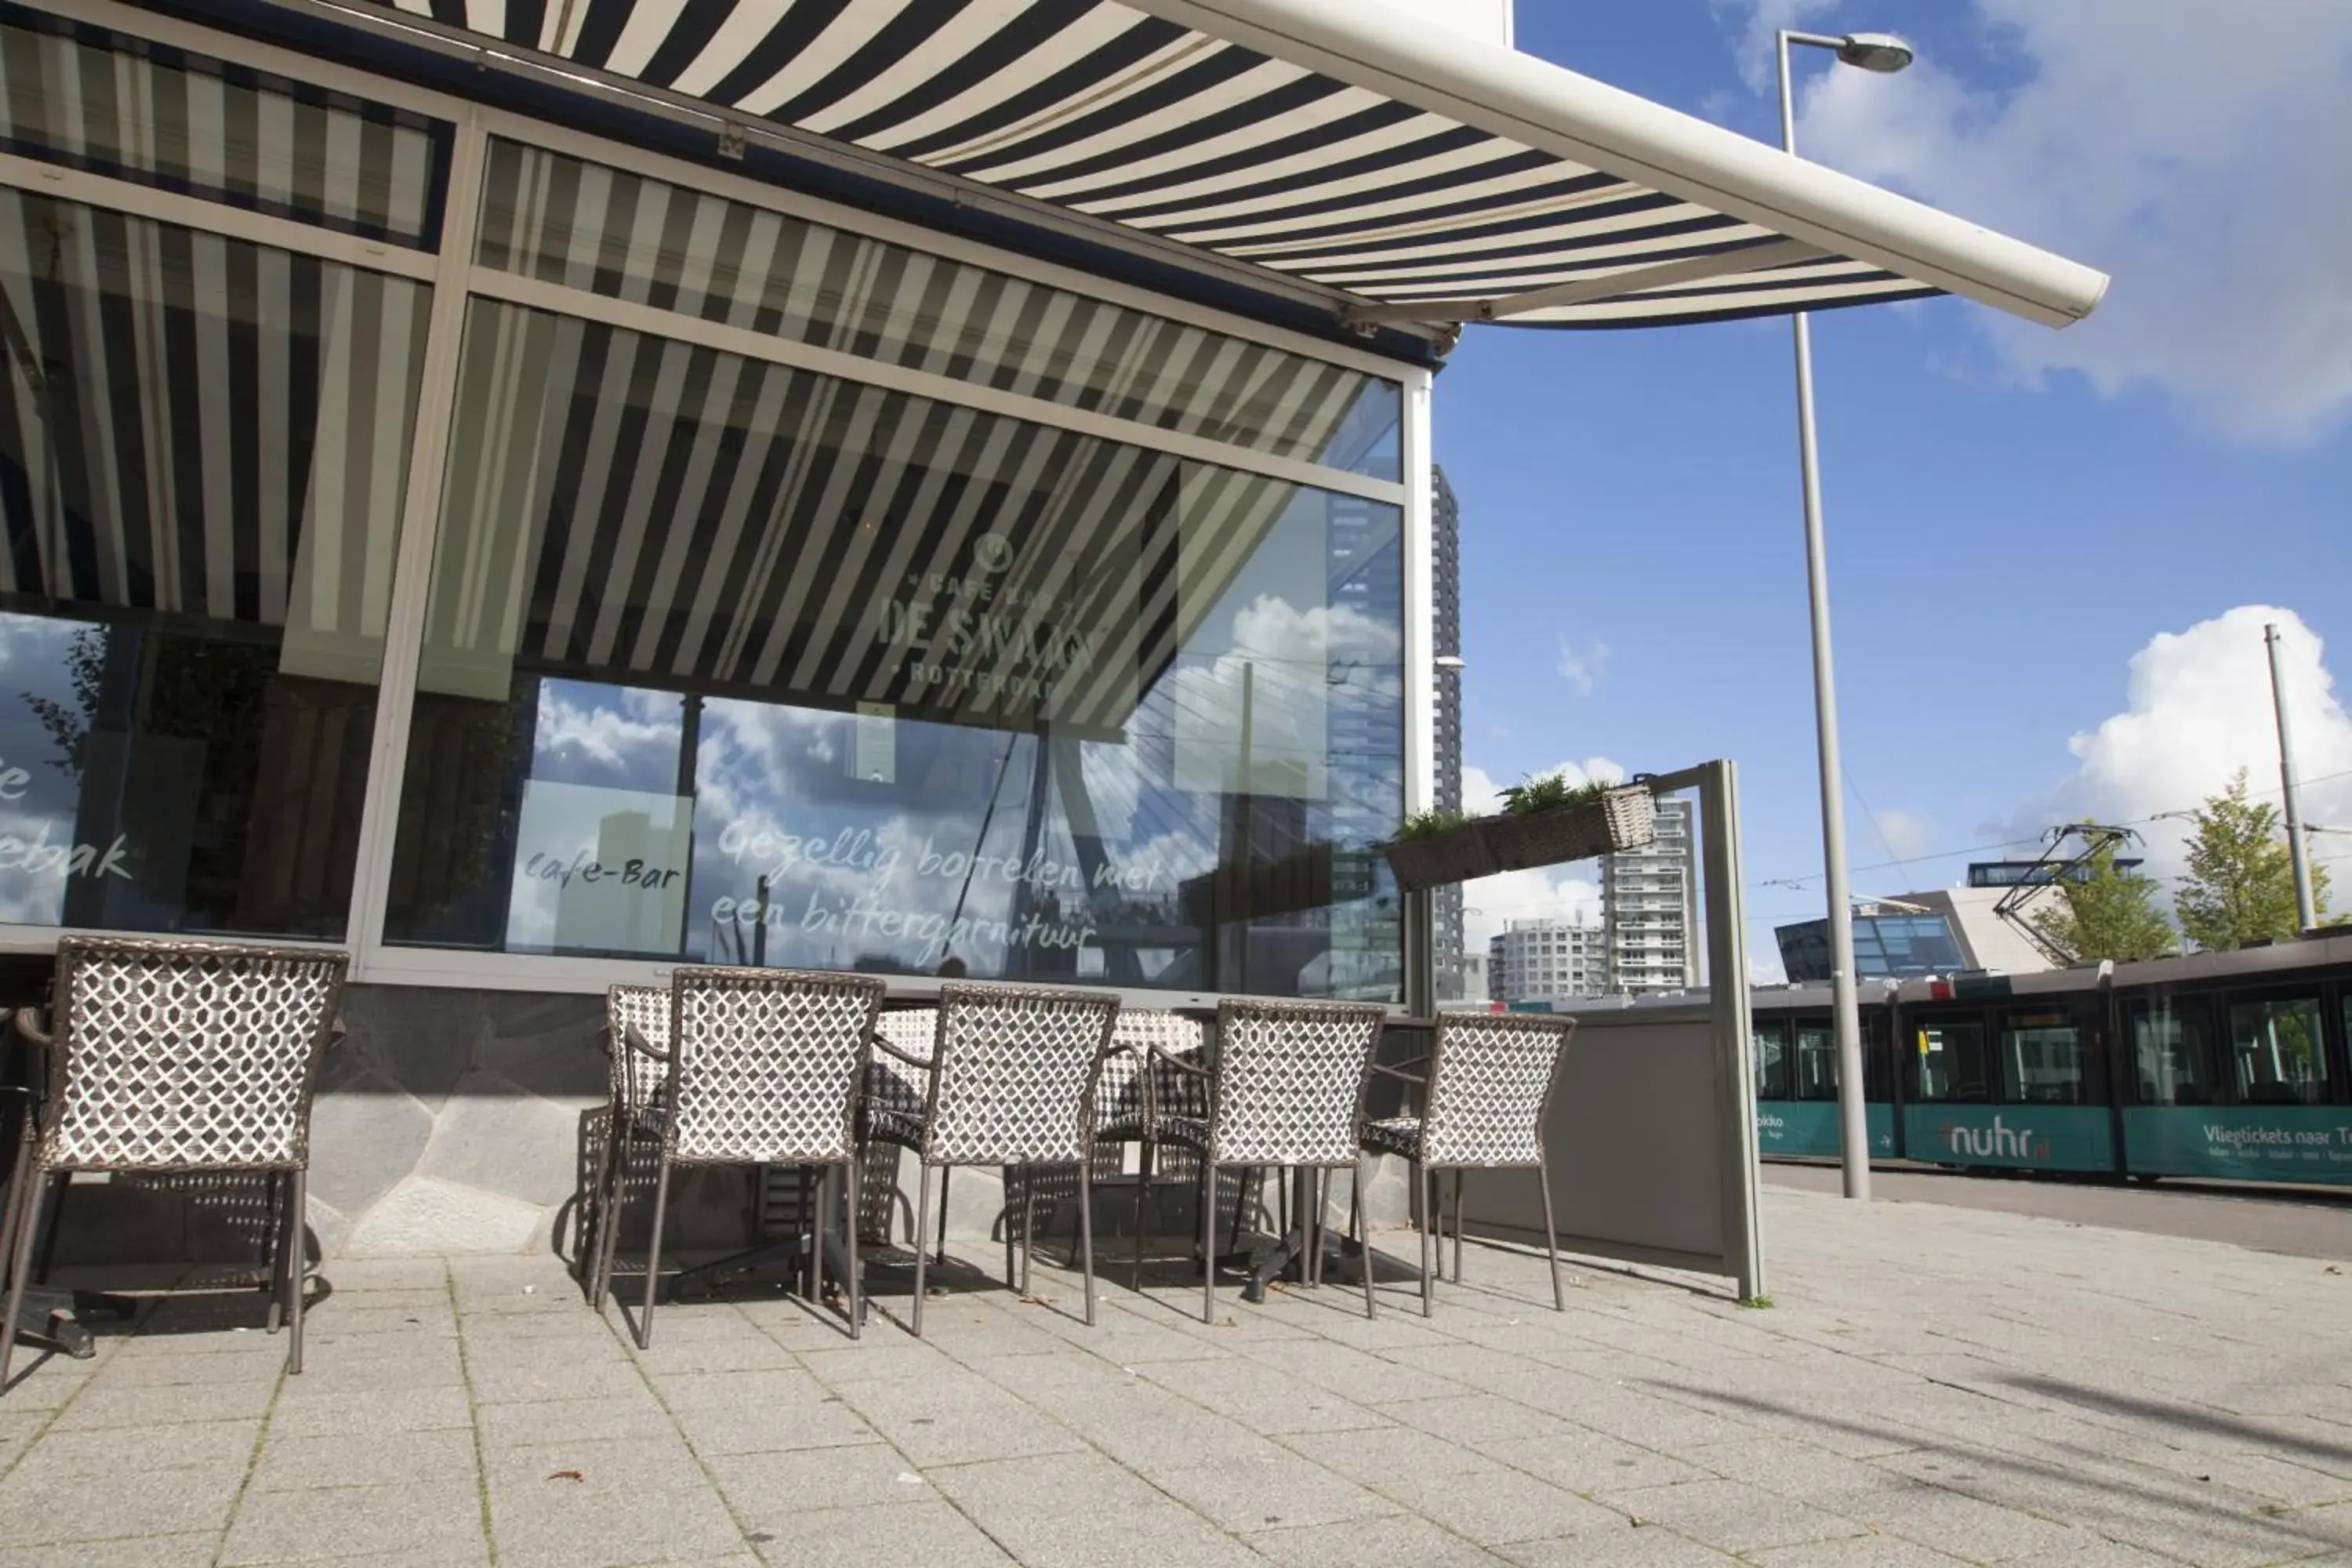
(1011, 1079)
(1286, 1089)
(1486, 1091)
(636, 1043)
(766, 1069)
(1144, 1082)
(177, 1057)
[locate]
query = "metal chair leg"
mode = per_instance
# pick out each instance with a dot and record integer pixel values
(30, 1187)
(1551, 1237)
(1011, 1178)
(1087, 1228)
(56, 1205)
(820, 1182)
(1208, 1240)
(653, 1253)
(922, 1229)
(608, 1229)
(273, 1254)
(849, 1225)
(942, 1256)
(1457, 1225)
(1356, 1233)
(599, 1194)
(297, 1250)
(1425, 1187)
(1143, 1202)
(1028, 1228)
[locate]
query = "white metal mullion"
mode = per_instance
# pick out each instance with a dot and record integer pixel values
(404, 642)
(210, 217)
(898, 378)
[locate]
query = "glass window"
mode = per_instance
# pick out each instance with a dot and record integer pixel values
(2042, 1061)
(2279, 1053)
(1771, 1047)
(1817, 1061)
(92, 98)
(737, 662)
(2172, 1050)
(588, 227)
(204, 445)
(1951, 1060)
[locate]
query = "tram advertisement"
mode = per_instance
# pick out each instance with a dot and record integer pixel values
(1811, 1127)
(2260, 1144)
(2046, 1137)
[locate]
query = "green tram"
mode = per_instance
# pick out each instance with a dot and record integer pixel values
(2226, 1066)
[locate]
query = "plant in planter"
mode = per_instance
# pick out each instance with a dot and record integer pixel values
(1431, 849)
(1547, 820)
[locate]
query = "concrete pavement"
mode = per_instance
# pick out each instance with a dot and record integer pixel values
(1932, 1385)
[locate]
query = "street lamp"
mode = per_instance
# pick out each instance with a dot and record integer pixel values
(1873, 52)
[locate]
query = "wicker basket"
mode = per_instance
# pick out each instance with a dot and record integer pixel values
(1457, 855)
(1624, 818)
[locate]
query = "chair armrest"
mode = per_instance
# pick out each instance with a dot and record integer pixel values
(645, 1048)
(873, 1038)
(1386, 1070)
(1178, 1063)
(29, 1023)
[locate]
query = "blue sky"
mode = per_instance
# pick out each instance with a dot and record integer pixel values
(2013, 515)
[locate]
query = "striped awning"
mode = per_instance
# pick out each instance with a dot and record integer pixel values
(1343, 149)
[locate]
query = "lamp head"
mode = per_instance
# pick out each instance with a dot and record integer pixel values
(1881, 52)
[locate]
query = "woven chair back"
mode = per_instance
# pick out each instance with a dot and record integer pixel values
(768, 1064)
(186, 1056)
(1119, 1097)
(1290, 1079)
(1013, 1067)
(1490, 1077)
(637, 1079)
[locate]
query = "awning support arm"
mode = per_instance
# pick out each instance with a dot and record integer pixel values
(1587, 290)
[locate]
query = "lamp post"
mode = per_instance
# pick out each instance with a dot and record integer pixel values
(1875, 52)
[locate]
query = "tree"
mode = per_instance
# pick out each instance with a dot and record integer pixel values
(2240, 881)
(2110, 913)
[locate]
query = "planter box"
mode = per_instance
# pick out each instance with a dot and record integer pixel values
(1624, 818)
(1455, 855)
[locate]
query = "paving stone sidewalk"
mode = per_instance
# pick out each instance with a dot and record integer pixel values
(1931, 1386)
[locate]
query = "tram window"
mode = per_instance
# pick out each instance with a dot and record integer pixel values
(1951, 1059)
(2172, 1045)
(1771, 1060)
(2279, 1052)
(2042, 1060)
(1817, 1062)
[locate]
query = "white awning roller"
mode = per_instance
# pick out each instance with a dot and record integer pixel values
(1399, 171)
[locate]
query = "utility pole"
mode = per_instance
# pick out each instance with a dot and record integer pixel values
(2306, 917)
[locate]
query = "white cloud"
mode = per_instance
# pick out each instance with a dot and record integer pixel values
(2194, 153)
(1907, 834)
(2197, 709)
(1759, 20)
(1583, 668)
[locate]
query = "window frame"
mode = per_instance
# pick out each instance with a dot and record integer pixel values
(456, 280)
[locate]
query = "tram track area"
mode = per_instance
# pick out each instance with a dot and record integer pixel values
(2299, 1222)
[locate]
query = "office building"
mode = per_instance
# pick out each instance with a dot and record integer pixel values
(1534, 960)
(1647, 899)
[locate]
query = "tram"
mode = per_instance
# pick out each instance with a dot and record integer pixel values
(2229, 1066)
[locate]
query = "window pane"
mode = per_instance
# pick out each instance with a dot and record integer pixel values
(588, 227)
(2173, 1049)
(92, 98)
(2042, 1061)
(1951, 1061)
(1817, 1063)
(1771, 1060)
(203, 449)
(823, 675)
(2278, 1050)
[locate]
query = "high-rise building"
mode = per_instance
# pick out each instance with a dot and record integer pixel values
(1445, 587)
(1647, 897)
(1531, 960)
